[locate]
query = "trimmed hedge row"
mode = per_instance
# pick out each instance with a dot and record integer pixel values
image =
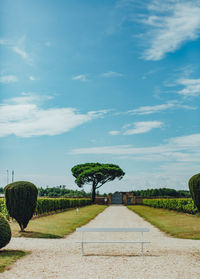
(46, 205)
(181, 205)
(5, 232)
(3, 208)
(21, 200)
(2, 202)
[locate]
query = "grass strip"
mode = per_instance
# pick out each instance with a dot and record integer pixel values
(8, 257)
(58, 225)
(176, 224)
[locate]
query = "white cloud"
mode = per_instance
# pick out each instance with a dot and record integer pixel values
(23, 117)
(32, 78)
(178, 149)
(171, 24)
(80, 78)
(114, 133)
(173, 175)
(138, 128)
(151, 109)
(143, 127)
(21, 52)
(158, 108)
(111, 74)
(8, 79)
(17, 47)
(192, 87)
(27, 98)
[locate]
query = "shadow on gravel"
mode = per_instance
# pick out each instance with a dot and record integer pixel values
(31, 234)
(120, 255)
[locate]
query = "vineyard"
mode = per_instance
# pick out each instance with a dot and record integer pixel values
(181, 205)
(47, 205)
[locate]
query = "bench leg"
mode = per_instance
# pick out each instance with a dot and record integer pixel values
(142, 249)
(82, 249)
(142, 245)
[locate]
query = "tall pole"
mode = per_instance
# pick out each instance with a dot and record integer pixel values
(12, 176)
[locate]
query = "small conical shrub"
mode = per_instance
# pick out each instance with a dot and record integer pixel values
(194, 186)
(5, 232)
(21, 199)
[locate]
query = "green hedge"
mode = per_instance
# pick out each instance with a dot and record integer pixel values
(182, 205)
(2, 202)
(3, 208)
(5, 232)
(46, 205)
(21, 200)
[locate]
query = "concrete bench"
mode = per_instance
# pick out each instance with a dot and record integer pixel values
(85, 229)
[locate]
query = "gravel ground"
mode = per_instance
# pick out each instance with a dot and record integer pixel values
(165, 257)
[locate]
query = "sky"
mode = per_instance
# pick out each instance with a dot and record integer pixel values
(111, 81)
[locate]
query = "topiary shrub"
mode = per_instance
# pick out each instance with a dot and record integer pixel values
(194, 186)
(5, 232)
(21, 199)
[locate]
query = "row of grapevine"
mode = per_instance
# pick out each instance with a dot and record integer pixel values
(46, 205)
(3, 208)
(2, 204)
(182, 205)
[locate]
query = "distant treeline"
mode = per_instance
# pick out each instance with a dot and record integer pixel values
(61, 191)
(162, 192)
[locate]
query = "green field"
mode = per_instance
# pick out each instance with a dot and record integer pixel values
(58, 225)
(176, 224)
(8, 257)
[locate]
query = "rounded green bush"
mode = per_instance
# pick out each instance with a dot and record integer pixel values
(21, 199)
(194, 186)
(5, 232)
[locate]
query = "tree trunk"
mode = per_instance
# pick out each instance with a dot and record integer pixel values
(22, 227)
(93, 193)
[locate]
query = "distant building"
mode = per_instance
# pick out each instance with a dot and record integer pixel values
(125, 198)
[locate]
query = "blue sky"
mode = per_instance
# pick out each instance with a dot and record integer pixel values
(100, 81)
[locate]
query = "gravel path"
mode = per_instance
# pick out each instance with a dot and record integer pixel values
(165, 257)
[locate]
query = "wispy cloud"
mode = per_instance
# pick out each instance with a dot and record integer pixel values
(8, 79)
(27, 98)
(18, 47)
(178, 149)
(4, 42)
(21, 52)
(170, 175)
(24, 117)
(81, 77)
(32, 78)
(149, 73)
(170, 24)
(111, 74)
(191, 87)
(142, 127)
(114, 133)
(158, 108)
(138, 128)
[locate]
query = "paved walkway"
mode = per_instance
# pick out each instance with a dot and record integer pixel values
(165, 257)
